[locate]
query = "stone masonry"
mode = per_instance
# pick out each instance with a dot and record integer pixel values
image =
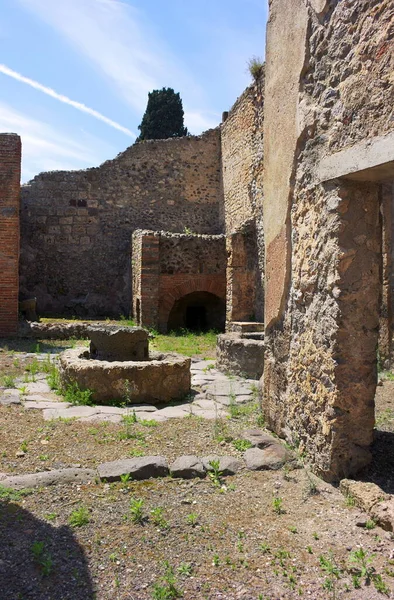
(10, 165)
(322, 205)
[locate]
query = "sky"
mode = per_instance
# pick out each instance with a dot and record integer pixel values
(75, 74)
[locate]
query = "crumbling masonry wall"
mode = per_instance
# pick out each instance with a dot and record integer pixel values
(242, 172)
(77, 225)
(328, 67)
(168, 267)
(10, 166)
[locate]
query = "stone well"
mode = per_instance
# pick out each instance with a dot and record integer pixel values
(154, 378)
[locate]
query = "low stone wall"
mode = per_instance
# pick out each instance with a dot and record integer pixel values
(55, 331)
(240, 355)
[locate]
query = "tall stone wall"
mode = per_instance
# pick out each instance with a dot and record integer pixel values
(10, 168)
(77, 226)
(242, 173)
(329, 69)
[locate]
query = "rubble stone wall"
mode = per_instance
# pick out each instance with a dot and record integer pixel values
(242, 172)
(10, 168)
(77, 225)
(323, 314)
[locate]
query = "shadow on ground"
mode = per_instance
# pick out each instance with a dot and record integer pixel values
(381, 469)
(39, 561)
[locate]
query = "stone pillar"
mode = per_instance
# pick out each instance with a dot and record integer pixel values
(386, 313)
(241, 280)
(10, 169)
(146, 274)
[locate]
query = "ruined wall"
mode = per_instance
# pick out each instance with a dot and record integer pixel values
(77, 226)
(324, 233)
(167, 267)
(10, 167)
(242, 172)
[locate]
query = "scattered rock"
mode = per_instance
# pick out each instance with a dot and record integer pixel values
(259, 438)
(272, 457)
(138, 468)
(228, 465)
(46, 478)
(187, 467)
(365, 495)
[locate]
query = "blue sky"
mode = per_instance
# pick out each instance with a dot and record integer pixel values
(107, 55)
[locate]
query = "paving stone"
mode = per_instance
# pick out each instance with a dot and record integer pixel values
(209, 414)
(272, 457)
(43, 405)
(259, 438)
(229, 388)
(69, 413)
(138, 468)
(201, 365)
(141, 408)
(228, 465)
(46, 478)
(112, 410)
(228, 400)
(38, 387)
(10, 396)
(206, 404)
(187, 467)
(172, 412)
(51, 397)
(152, 416)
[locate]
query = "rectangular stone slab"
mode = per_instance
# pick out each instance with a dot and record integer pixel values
(138, 468)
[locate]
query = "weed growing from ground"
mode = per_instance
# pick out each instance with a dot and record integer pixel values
(350, 501)
(277, 505)
(8, 381)
(192, 519)
(167, 588)
(158, 518)
(362, 562)
(9, 495)
(242, 445)
(148, 422)
(136, 512)
(370, 524)
(73, 394)
(331, 571)
(185, 569)
(79, 517)
(215, 473)
(42, 558)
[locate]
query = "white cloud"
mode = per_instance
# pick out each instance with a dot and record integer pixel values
(78, 105)
(198, 121)
(46, 149)
(121, 44)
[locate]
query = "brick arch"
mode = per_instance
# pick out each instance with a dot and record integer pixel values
(171, 290)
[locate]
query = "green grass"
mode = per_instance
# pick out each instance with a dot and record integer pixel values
(79, 517)
(186, 342)
(9, 495)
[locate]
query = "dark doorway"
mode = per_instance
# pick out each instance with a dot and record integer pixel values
(196, 318)
(198, 311)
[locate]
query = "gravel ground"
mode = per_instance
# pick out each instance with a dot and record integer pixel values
(260, 535)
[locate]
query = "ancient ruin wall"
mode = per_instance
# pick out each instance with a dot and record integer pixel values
(242, 173)
(320, 366)
(77, 226)
(10, 169)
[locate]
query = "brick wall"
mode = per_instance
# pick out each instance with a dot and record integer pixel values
(10, 162)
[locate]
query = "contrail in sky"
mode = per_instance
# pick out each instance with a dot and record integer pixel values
(78, 105)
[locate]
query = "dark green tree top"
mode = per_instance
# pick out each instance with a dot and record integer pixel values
(163, 117)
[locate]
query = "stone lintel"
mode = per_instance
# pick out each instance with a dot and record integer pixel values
(369, 160)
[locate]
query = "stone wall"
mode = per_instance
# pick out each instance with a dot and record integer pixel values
(242, 172)
(10, 167)
(328, 67)
(77, 226)
(170, 267)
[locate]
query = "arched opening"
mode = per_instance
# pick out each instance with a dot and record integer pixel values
(198, 311)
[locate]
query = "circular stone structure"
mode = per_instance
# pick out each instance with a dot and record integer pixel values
(159, 378)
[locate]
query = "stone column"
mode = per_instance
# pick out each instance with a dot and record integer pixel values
(10, 169)
(386, 314)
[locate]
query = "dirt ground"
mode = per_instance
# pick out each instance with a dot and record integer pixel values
(259, 535)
